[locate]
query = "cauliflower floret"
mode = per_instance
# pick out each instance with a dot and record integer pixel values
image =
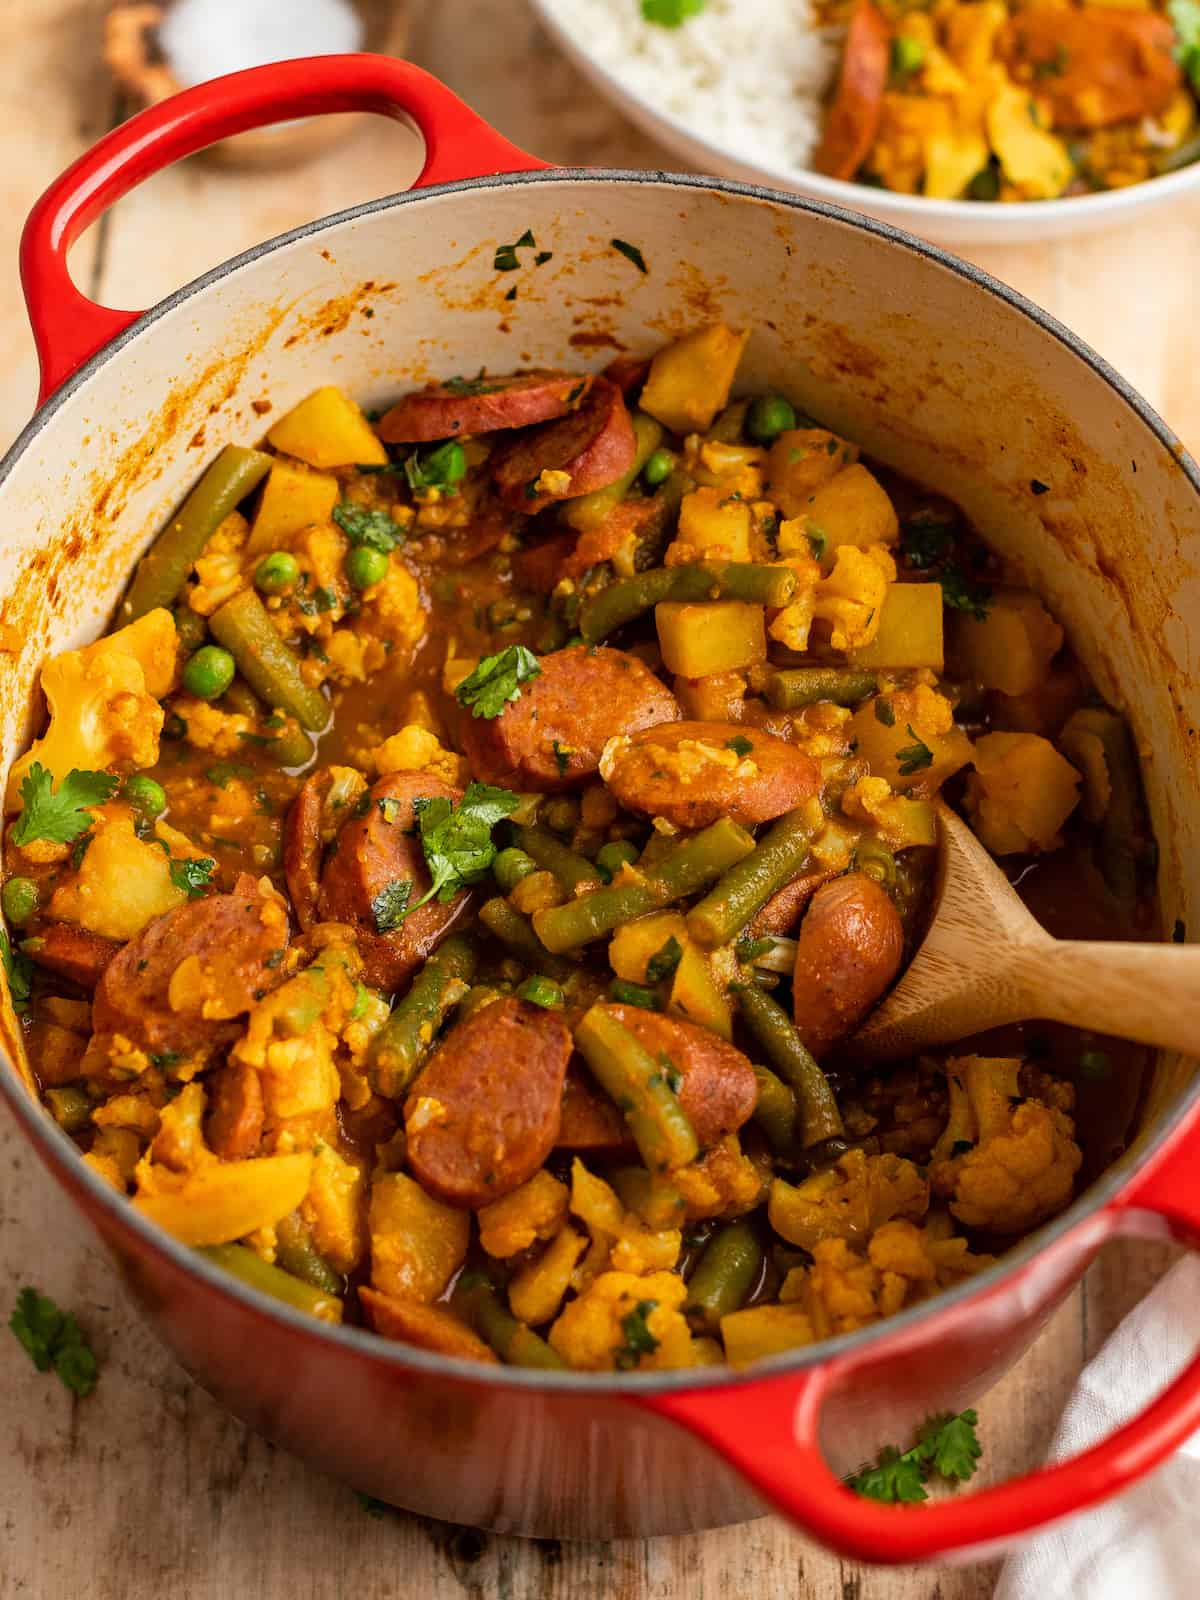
(103, 703)
(899, 820)
(725, 1183)
(619, 1238)
(536, 1210)
(849, 1200)
(211, 728)
(851, 598)
(219, 569)
(791, 626)
(334, 1208)
(536, 1293)
(625, 1322)
(178, 1148)
(415, 749)
(1005, 1163)
(393, 609)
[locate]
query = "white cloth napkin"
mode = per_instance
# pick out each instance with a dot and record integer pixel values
(1144, 1545)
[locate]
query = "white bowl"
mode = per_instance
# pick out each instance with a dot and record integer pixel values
(959, 222)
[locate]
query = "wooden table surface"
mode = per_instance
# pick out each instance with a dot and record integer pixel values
(147, 1487)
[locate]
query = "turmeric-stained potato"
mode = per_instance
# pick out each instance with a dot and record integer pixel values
(848, 952)
(376, 849)
(484, 1114)
(186, 978)
(552, 737)
(691, 773)
(718, 1089)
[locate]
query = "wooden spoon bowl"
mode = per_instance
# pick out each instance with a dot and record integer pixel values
(986, 961)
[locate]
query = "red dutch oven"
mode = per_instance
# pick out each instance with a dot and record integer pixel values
(936, 369)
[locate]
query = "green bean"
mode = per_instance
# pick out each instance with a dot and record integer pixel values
(259, 1274)
(400, 1045)
(70, 1108)
(289, 745)
(588, 511)
(478, 996)
(875, 860)
(775, 1111)
(770, 1024)
(507, 924)
(244, 627)
(654, 1198)
(191, 629)
(729, 905)
(724, 1276)
(804, 686)
(684, 870)
(638, 1083)
(476, 1300)
(610, 858)
(510, 866)
(296, 1254)
(1118, 859)
(163, 570)
(730, 424)
(573, 871)
(623, 601)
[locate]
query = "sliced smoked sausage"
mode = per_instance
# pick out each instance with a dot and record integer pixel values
(591, 448)
(73, 952)
(782, 911)
(552, 737)
(313, 820)
(181, 983)
(482, 405)
(719, 1090)
(852, 121)
(233, 1125)
(484, 1114)
(691, 773)
(377, 848)
(590, 1118)
(1094, 66)
(849, 950)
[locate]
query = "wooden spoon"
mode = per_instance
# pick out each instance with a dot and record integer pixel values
(986, 961)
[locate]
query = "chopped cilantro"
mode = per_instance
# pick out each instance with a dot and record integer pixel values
(946, 1446)
(53, 1339)
(221, 772)
(739, 745)
(631, 250)
(441, 468)
(817, 540)
(961, 593)
(664, 961)
(542, 257)
(60, 817)
(497, 680)
(325, 599)
(457, 840)
(18, 969)
(193, 874)
(914, 757)
(960, 1147)
(80, 848)
(908, 57)
(1038, 487)
(478, 385)
(927, 540)
(512, 293)
(562, 756)
(749, 950)
(505, 259)
(364, 526)
(885, 711)
(390, 906)
(670, 13)
(639, 1341)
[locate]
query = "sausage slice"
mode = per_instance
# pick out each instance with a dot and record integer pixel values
(850, 947)
(719, 1090)
(426, 1327)
(234, 1124)
(691, 773)
(314, 818)
(485, 1112)
(852, 121)
(591, 448)
(552, 737)
(783, 910)
(73, 953)
(482, 405)
(590, 1118)
(185, 978)
(377, 849)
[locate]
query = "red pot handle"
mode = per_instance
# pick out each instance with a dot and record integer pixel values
(68, 327)
(770, 1432)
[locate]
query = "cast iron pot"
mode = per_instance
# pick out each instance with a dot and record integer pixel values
(936, 369)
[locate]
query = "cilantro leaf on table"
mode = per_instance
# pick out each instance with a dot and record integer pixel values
(497, 680)
(53, 1339)
(947, 1446)
(62, 815)
(193, 874)
(364, 526)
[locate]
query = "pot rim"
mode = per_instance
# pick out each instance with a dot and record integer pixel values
(60, 1153)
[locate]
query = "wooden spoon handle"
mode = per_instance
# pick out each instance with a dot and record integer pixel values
(1146, 992)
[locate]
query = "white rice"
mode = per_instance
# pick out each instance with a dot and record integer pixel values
(748, 75)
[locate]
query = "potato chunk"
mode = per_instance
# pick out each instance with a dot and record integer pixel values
(1021, 793)
(1012, 647)
(910, 629)
(417, 1243)
(292, 498)
(711, 636)
(852, 508)
(328, 430)
(690, 380)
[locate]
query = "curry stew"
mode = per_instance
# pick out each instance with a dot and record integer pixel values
(447, 896)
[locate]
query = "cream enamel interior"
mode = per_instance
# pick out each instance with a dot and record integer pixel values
(931, 371)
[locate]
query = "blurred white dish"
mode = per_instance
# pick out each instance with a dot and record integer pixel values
(958, 222)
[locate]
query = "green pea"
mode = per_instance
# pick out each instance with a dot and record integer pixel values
(510, 866)
(19, 900)
(561, 813)
(541, 991)
(276, 572)
(365, 566)
(611, 857)
(209, 672)
(768, 417)
(145, 795)
(659, 467)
